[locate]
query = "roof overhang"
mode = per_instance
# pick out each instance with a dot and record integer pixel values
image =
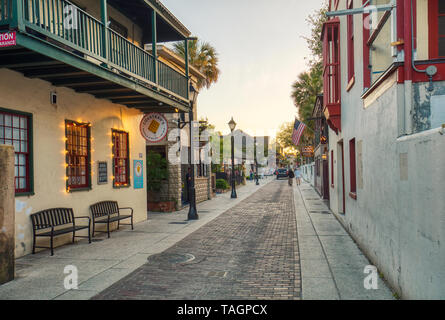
(168, 27)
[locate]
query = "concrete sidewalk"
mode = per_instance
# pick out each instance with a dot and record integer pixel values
(332, 266)
(105, 261)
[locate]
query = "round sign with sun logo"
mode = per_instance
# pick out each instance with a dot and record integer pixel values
(154, 127)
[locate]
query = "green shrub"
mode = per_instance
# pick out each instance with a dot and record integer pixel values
(222, 184)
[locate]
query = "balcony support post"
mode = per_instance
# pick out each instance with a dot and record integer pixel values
(154, 41)
(17, 15)
(104, 15)
(187, 75)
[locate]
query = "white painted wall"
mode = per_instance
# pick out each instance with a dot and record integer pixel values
(398, 218)
(33, 96)
(308, 173)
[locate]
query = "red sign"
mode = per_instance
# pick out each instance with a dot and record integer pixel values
(8, 39)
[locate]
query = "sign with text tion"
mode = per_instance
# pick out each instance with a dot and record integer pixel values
(154, 127)
(138, 166)
(8, 39)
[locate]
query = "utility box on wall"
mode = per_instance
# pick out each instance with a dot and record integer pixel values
(7, 214)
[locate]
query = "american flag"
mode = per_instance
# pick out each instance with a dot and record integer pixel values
(298, 132)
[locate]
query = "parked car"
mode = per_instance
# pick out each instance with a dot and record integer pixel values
(282, 173)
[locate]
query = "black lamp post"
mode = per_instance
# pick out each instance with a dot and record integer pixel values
(193, 213)
(232, 125)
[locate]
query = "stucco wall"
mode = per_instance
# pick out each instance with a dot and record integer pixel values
(135, 33)
(399, 215)
(33, 96)
(398, 218)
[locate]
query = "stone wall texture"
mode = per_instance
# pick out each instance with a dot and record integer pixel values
(202, 189)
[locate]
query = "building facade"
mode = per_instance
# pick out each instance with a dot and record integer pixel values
(178, 142)
(321, 151)
(384, 102)
(75, 82)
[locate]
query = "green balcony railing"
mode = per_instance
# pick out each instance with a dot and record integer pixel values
(172, 80)
(79, 32)
(124, 54)
(62, 21)
(5, 11)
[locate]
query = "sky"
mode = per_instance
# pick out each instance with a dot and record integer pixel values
(261, 53)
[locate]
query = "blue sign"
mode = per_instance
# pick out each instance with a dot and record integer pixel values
(138, 167)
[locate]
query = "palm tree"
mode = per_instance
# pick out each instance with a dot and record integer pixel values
(203, 57)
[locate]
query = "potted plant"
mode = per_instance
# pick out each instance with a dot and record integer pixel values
(221, 186)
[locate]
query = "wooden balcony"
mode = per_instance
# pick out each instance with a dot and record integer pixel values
(58, 42)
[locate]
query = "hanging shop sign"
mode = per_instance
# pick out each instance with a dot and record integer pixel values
(308, 151)
(8, 39)
(138, 166)
(154, 127)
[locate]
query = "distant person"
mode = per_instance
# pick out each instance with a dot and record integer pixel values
(291, 176)
(298, 176)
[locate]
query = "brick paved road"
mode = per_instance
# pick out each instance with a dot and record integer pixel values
(249, 252)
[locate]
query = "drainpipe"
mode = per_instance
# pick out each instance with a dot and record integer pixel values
(408, 52)
(431, 70)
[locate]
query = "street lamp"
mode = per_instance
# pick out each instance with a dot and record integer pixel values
(193, 213)
(257, 181)
(232, 125)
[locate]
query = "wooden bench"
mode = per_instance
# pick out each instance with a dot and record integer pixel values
(107, 212)
(45, 224)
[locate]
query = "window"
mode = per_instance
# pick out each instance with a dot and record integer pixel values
(331, 73)
(118, 28)
(78, 150)
(350, 39)
(331, 61)
(16, 130)
(121, 163)
(437, 29)
(352, 168)
(366, 51)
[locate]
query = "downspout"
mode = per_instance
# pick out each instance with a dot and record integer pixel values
(430, 71)
(408, 48)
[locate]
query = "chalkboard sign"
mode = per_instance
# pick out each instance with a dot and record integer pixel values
(102, 173)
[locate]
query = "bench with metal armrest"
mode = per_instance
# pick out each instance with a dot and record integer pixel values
(46, 223)
(107, 212)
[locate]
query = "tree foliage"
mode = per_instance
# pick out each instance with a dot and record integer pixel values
(310, 83)
(203, 57)
(284, 135)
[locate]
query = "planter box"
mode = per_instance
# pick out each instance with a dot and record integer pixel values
(162, 206)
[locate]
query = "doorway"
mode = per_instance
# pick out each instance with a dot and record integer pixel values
(341, 178)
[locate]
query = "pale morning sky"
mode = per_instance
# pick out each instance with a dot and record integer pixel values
(261, 52)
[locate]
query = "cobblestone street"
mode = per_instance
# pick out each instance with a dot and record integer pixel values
(249, 252)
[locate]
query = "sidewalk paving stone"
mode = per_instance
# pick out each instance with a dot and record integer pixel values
(332, 265)
(250, 251)
(106, 261)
